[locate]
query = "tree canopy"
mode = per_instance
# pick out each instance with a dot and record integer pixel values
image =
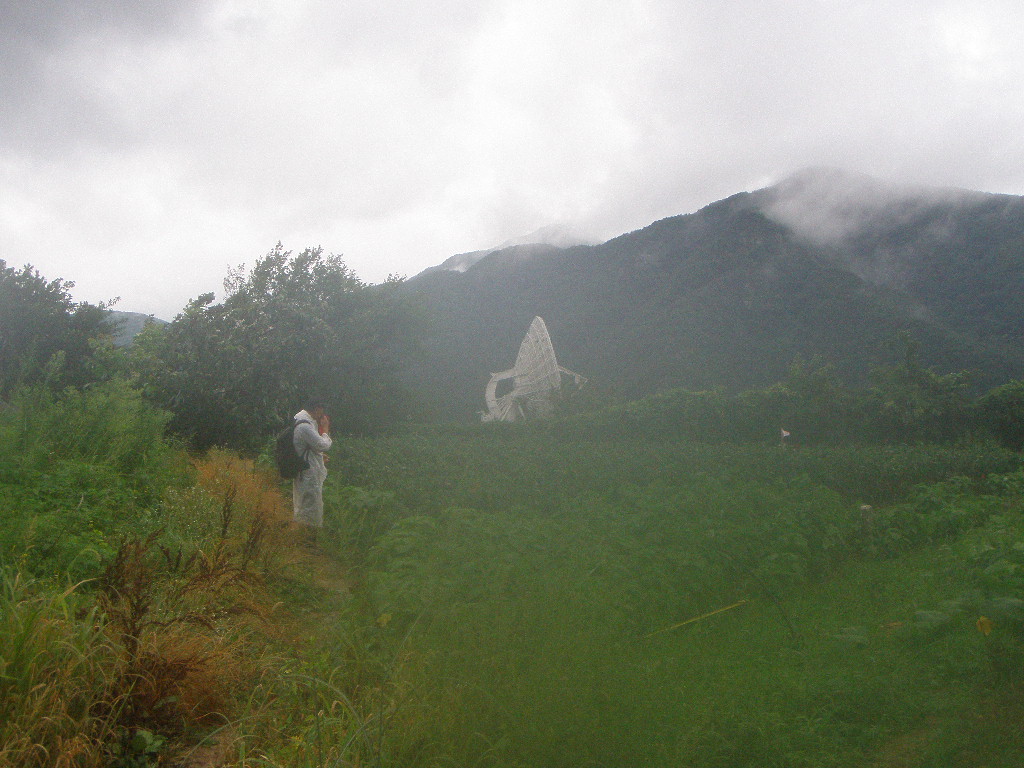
(293, 326)
(44, 333)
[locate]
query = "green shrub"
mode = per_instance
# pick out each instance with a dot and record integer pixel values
(1001, 411)
(106, 423)
(78, 469)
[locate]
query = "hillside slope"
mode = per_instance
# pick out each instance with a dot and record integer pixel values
(825, 263)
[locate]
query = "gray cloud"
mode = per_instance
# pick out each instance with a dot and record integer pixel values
(826, 205)
(143, 149)
(49, 102)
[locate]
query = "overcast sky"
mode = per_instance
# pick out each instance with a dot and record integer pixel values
(145, 147)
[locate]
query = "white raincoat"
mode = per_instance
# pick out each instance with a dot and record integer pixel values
(308, 487)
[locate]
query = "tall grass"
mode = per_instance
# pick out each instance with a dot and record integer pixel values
(105, 423)
(77, 469)
(175, 630)
(174, 627)
(55, 664)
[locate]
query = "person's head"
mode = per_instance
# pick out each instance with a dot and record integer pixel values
(314, 407)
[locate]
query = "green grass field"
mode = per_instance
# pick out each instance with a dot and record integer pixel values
(503, 597)
(555, 604)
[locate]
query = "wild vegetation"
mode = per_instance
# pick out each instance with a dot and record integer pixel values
(292, 326)
(156, 607)
(44, 333)
(629, 603)
(664, 581)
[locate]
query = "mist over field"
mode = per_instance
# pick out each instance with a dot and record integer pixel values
(669, 355)
(772, 513)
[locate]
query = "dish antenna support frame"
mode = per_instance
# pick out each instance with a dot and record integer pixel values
(535, 377)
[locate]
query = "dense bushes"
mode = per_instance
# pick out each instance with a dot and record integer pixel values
(44, 334)
(487, 469)
(135, 586)
(1001, 412)
(904, 404)
(75, 469)
(293, 326)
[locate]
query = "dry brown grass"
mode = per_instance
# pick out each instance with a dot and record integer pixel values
(180, 616)
(269, 512)
(170, 638)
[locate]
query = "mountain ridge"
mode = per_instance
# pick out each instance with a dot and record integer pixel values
(824, 264)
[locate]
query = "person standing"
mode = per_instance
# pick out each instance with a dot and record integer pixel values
(311, 438)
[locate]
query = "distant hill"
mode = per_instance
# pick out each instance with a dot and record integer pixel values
(826, 264)
(128, 324)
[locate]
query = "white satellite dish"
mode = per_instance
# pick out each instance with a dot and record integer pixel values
(535, 378)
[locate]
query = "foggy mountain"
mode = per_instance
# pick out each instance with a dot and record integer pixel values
(826, 263)
(553, 235)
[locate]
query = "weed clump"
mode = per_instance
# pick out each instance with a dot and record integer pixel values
(165, 639)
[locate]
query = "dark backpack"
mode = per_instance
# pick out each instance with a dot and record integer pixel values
(290, 464)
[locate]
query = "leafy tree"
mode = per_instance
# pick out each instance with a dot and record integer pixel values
(1001, 411)
(908, 402)
(44, 333)
(292, 326)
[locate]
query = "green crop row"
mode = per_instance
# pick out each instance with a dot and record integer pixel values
(614, 603)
